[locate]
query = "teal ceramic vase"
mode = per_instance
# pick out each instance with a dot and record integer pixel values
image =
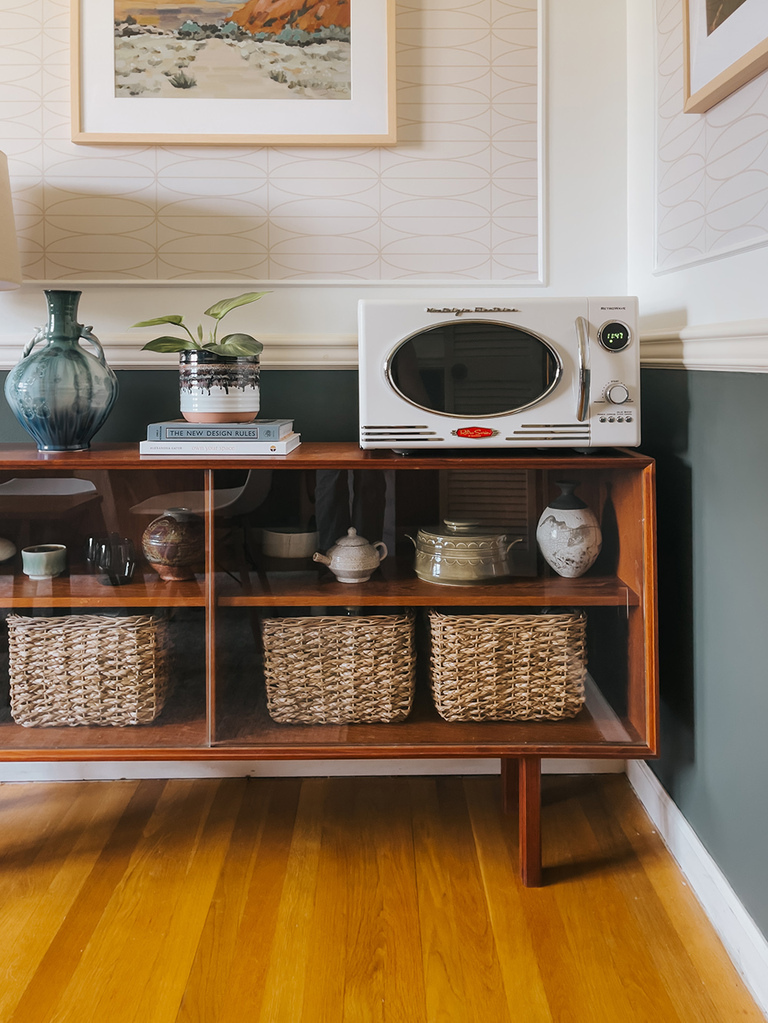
(61, 393)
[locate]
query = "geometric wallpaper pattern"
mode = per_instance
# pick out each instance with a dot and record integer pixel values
(712, 168)
(457, 198)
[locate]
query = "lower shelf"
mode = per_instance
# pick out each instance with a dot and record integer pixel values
(595, 731)
(181, 733)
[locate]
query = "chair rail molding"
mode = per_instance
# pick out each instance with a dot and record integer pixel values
(281, 351)
(737, 347)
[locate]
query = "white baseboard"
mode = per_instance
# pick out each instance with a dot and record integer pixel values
(94, 770)
(743, 941)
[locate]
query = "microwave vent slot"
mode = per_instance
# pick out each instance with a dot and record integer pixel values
(553, 431)
(502, 500)
(398, 434)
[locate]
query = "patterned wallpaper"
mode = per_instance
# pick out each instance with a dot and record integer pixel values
(456, 199)
(712, 168)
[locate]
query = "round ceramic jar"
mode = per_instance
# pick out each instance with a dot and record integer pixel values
(7, 549)
(461, 554)
(174, 544)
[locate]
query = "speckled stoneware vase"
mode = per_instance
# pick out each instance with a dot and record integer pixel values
(174, 544)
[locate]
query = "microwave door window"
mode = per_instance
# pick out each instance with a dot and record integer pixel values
(473, 369)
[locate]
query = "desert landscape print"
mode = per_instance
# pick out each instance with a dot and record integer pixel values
(259, 49)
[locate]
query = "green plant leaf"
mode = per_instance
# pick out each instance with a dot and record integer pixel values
(240, 345)
(169, 344)
(161, 319)
(220, 309)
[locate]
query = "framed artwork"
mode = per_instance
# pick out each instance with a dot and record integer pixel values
(233, 72)
(726, 45)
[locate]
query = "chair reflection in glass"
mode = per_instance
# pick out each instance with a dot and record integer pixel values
(45, 509)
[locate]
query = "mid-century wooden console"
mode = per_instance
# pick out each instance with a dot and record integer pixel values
(217, 710)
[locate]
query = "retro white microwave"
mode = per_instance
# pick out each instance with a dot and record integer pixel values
(528, 372)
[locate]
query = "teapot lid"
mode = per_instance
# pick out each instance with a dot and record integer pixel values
(352, 539)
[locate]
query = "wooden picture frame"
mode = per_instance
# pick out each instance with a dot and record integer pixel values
(247, 90)
(720, 57)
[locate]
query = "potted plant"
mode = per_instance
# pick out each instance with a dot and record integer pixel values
(218, 377)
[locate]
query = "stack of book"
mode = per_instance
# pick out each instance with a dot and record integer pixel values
(178, 437)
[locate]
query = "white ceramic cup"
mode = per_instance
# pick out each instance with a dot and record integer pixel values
(44, 561)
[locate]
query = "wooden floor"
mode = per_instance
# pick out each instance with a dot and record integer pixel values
(345, 899)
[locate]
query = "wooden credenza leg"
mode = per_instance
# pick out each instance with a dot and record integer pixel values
(509, 783)
(530, 821)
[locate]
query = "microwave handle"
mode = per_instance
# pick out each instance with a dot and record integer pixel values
(582, 402)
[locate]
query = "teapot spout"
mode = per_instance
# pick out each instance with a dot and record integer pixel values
(317, 556)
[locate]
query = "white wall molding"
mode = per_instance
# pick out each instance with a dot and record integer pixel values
(281, 351)
(743, 941)
(738, 347)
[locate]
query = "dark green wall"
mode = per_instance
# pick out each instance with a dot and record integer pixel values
(709, 434)
(322, 404)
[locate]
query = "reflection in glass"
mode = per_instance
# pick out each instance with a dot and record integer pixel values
(474, 369)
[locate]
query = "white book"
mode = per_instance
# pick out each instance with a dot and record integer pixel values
(219, 447)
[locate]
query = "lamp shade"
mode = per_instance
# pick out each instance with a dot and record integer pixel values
(10, 267)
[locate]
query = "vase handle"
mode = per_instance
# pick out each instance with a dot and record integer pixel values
(87, 335)
(40, 335)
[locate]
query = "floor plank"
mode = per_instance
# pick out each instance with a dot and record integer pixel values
(346, 900)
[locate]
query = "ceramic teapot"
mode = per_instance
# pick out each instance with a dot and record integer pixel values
(352, 559)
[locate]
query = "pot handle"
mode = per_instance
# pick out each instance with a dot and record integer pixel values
(409, 537)
(511, 545)
(87, 335)
(380, 543)
(39, 336)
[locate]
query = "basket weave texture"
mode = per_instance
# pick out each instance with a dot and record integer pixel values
(507, 667)
(87, 669)
(334, 670)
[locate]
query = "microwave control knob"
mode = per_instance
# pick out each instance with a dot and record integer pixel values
(617, 394)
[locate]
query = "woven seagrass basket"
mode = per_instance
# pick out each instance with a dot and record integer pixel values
(87, 669)
(507, 667)
(335, 670)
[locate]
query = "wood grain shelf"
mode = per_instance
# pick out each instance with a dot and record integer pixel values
(246, 731)
(395, 583)
(595, 731)
(80, 589)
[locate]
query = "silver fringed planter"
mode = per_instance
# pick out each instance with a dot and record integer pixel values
(218, 388)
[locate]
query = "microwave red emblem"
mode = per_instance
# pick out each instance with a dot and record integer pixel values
(475, 432)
